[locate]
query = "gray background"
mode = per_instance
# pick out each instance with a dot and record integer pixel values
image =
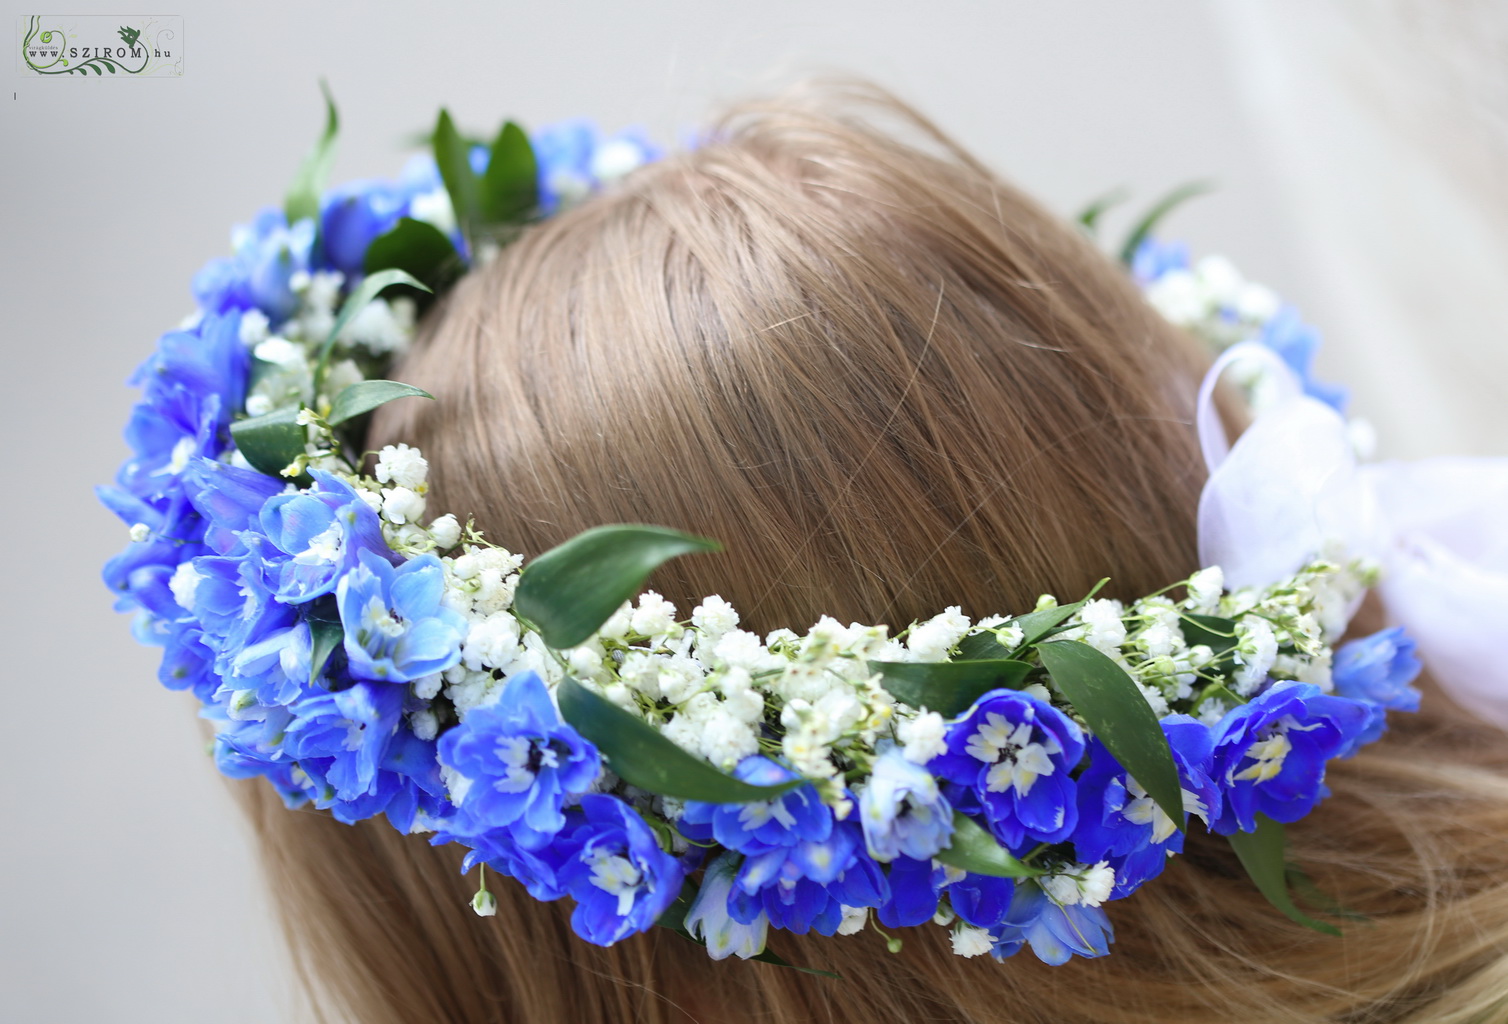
(1360, 149)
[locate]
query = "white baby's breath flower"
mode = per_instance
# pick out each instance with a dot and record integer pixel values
(1256, 650)
(654, 616)
(854, 920)
(1205, 588)
(933, 639)
(922, 737)
(434, 208)
(1106, 629)
(739, 648)
(184, 582)
(492, 642)
(401, 505)
(428, 687)
(402, 466)
(424, 724)
(253, 327)
(140, 532)
(970, 941)
(714, 617)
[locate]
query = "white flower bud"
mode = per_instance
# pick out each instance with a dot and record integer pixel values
(446, 532)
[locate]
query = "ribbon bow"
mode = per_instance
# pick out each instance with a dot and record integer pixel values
(1291, 485)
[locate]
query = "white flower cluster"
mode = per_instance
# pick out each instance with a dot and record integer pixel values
(284, 370)
(1214, 301)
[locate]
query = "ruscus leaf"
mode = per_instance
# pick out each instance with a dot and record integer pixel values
(1262, 855)
(270, 442)
(1089, 217)
(510, 186)
(303, 195)
(420, 249)
(370, 287)
(1159, 210)
(641, 756)
(453, 158)
(974, 849)
(364, 396)
(571, 590)
(1110, 701)
(948, 687)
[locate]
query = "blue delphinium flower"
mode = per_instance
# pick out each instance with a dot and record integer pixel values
(709, 920)
(352, 215)
(1270, 754)
(760, 826)
(266, 254)
(902, 810)
(806, 886)
(1298, 343)
(1120, 823)
(1055, 932)
(319, 536)
(522, 761)
(915, 888)
(615, 870)
(1154, 258)
(1015, 752)
(396, 628)
(1377, 671)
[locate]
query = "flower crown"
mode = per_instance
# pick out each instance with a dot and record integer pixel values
(1004, 777)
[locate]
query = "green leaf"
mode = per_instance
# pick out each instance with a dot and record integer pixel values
(270, 442)
(370, 287)
(1262, 855)
(1218, 634)
(510, 188)
(571, 590)
(453, 157)
(327, 635)
(641, 756)
(364, 396)
(303, 195)
(1113, 706)
(420, 249)
(769, 956)
(948, 687)
(1154, 216)
(1089, 217)
(1039, 625)
(974, 849)
(674, 917)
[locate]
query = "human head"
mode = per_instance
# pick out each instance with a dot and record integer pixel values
(888, 382)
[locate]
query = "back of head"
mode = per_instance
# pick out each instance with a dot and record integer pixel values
(889, 383)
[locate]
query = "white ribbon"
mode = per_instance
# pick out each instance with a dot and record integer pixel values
(1290, 485)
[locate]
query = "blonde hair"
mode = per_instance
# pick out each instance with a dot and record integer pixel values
(889, 383)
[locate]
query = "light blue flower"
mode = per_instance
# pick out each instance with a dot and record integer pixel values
(522, 761)
(319, 536)
(902, 810)
(805, 887)
(1377, 671)
(615, 870)
(396, 628)
(1055, 933)
(1270, 754)
(708, 918)
(1015, 753)
(266, 254)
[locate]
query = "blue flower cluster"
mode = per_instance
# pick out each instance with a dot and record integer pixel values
(241, 578)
